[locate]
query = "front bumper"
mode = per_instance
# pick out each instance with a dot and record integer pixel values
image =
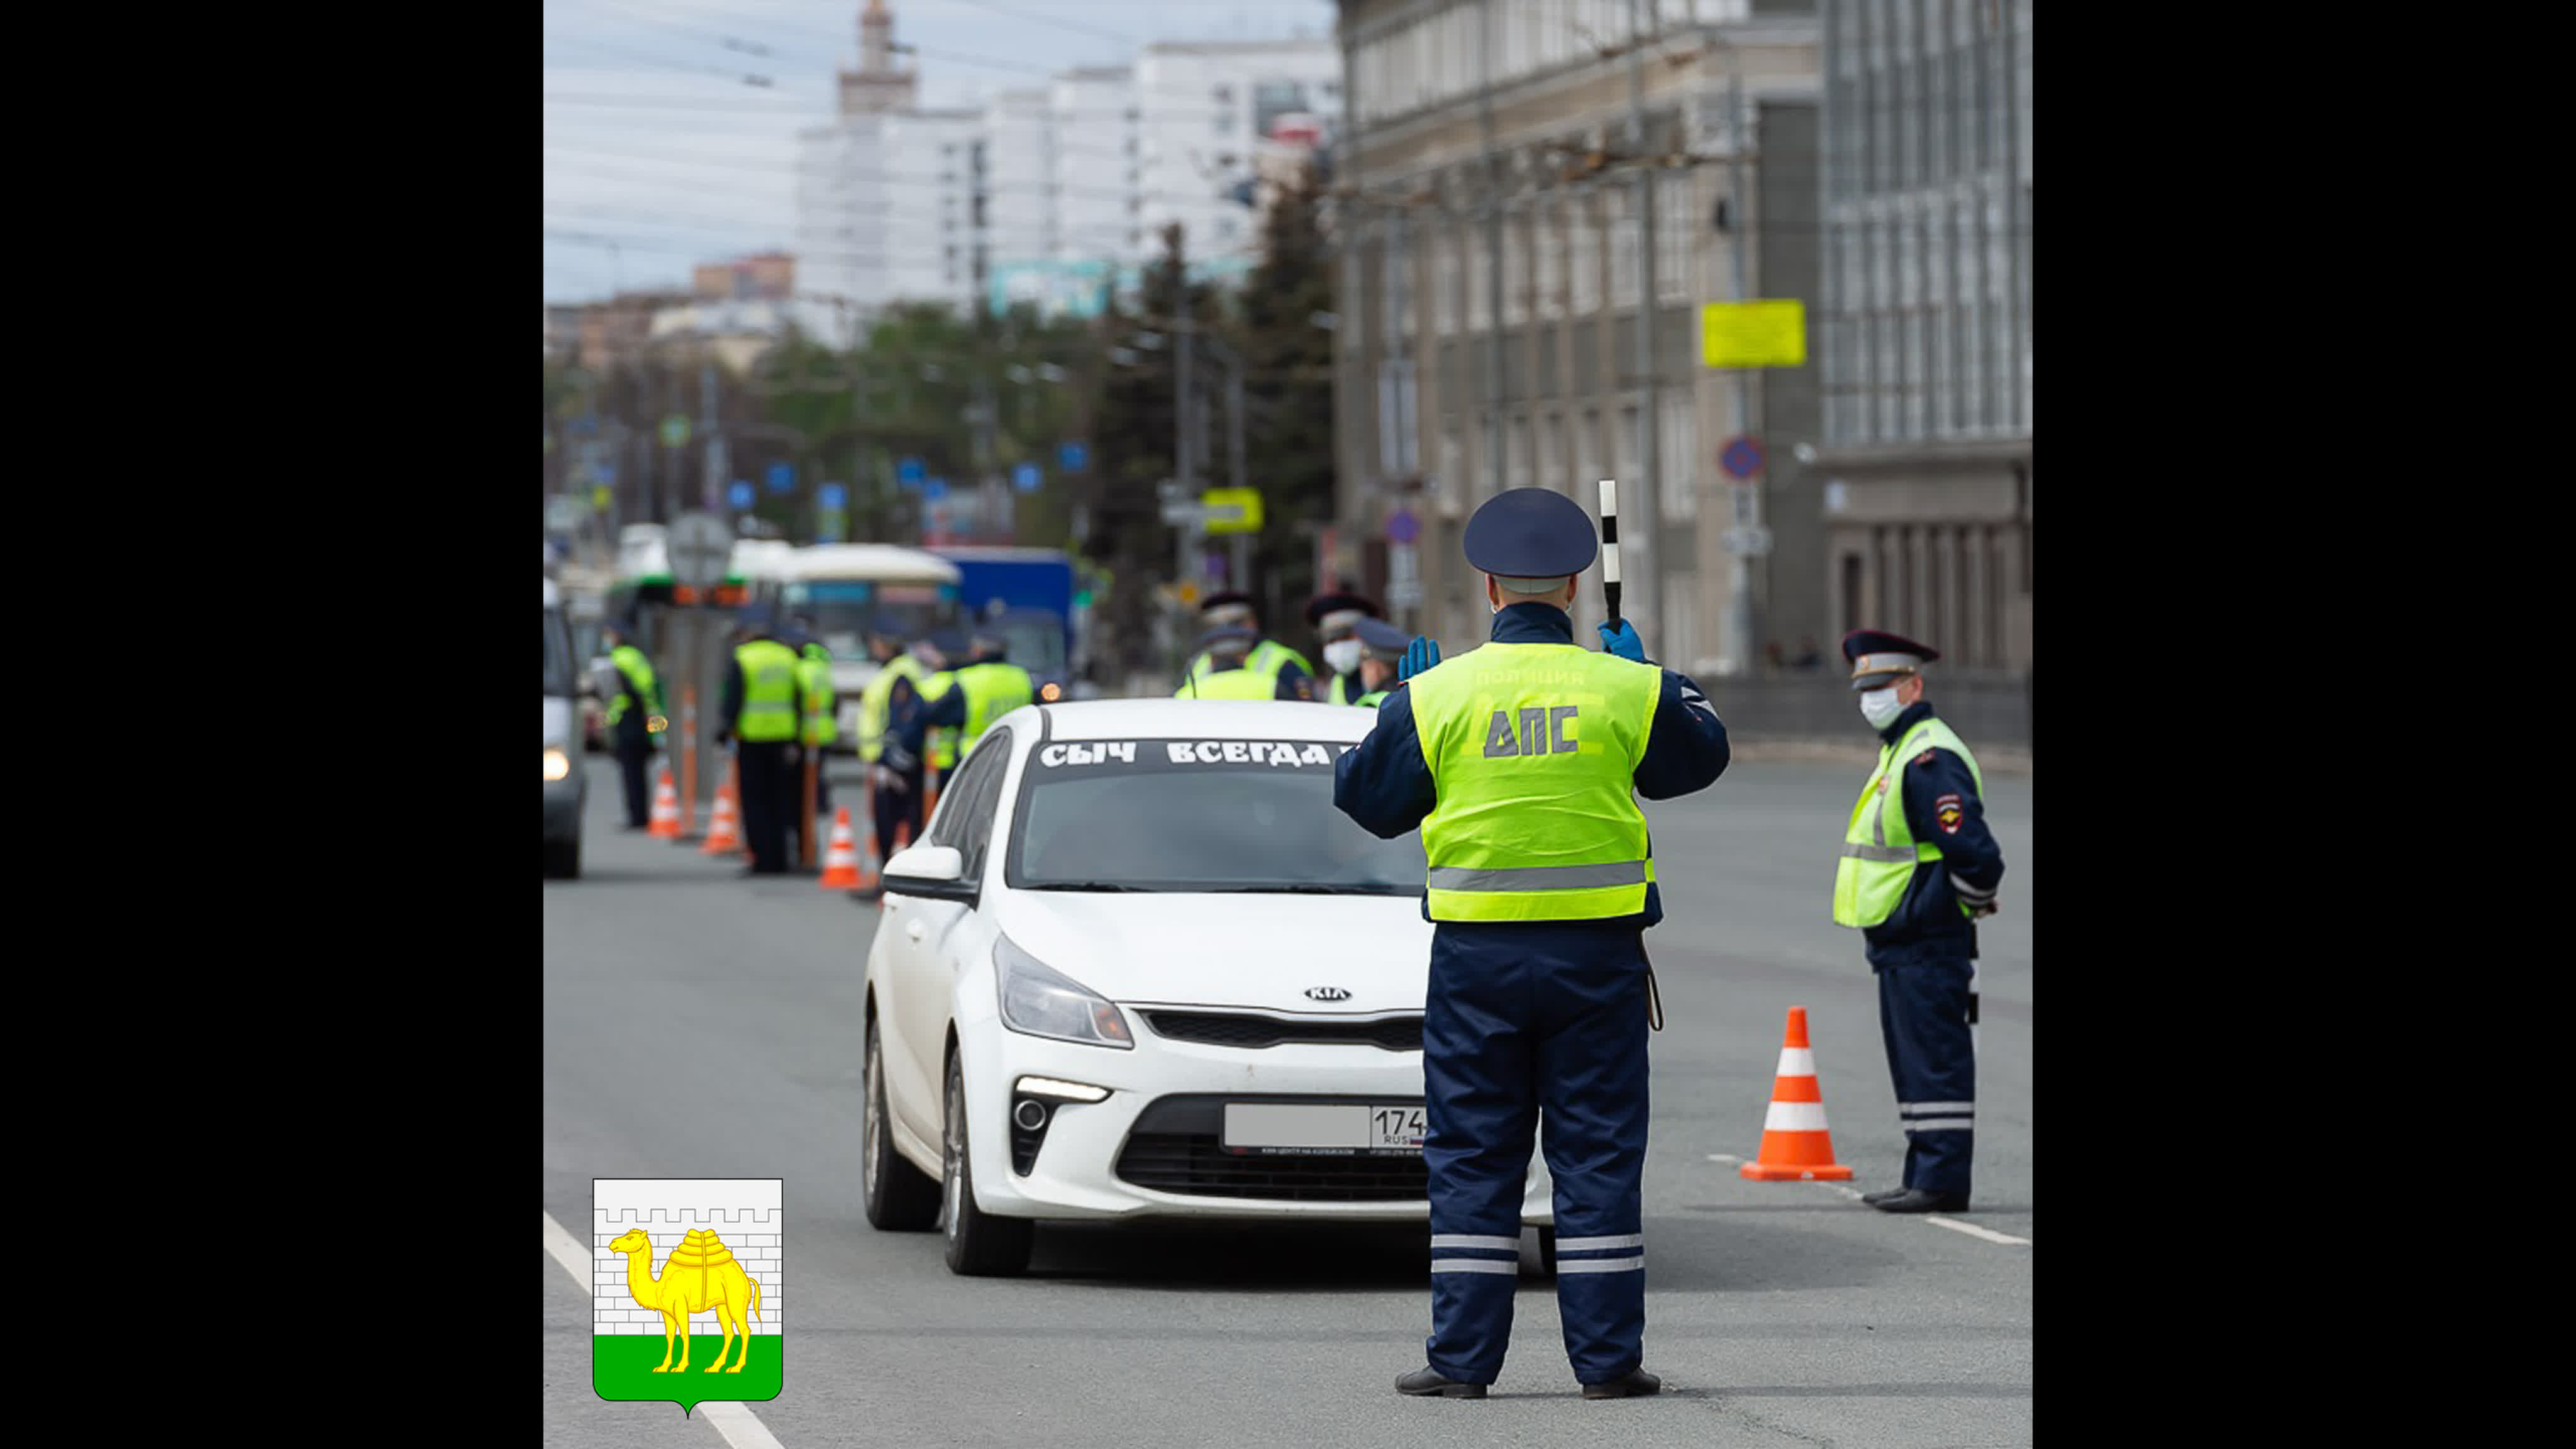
(1150, 1149)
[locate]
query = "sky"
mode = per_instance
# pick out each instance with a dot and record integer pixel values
(671, 124)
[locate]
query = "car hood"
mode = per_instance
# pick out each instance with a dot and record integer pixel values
(1260, 951)
(558, 722)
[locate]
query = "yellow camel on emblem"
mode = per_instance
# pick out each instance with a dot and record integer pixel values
(701, 1275)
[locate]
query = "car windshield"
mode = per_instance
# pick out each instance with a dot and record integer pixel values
(1035, 642)
(1199, 815)
(558, 658)
(844, 609)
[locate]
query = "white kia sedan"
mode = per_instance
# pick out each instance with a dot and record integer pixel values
(1138, 966)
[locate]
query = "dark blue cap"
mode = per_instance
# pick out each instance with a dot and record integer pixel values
(951, 643)
(1879, 658)
(1380, 637)
(1531, 533)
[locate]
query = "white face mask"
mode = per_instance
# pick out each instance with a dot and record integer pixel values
(1342, 655)
(1879, 706)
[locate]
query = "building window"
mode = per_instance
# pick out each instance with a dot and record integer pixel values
(1479, 282)
(1676, 215)
(1680, 493)
(1445, 280)
(1548, 226)
(1583, 255)
(1623, 247)
(1516, 286)
(1225, 123)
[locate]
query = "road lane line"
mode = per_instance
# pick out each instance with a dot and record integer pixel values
(1854, 1194)
(735, 1422)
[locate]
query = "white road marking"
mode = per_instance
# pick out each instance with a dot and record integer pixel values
(1971, 1229)
(735, 1422)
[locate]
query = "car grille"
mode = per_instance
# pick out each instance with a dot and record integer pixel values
(1241, 1029)
(1178, 1146)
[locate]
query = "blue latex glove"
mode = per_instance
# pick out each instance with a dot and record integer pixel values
(1623, 641)
(1419, 655)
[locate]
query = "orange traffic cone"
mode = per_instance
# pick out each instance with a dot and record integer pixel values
(666, 809)
(723, 831)
(1795, 1144)
(841, 860)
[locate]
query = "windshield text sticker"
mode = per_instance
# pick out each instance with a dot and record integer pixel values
(1251, 752)
(1099, 754)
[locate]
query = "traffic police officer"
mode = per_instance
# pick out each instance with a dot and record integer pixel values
(1517, 760)
(759, 710)
(1225, 653)
(814, 677)
(987, 687)
(1381, 653)
(1918, 869)
(635, 714)
(1336, 617)
(1267, 656)
(942, 651)
(894, 796)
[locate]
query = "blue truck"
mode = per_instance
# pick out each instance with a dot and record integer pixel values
(1028, 593)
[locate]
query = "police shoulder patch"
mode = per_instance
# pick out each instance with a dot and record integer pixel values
(1947, 810)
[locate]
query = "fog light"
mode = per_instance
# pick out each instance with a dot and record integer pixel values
(1030, 1114)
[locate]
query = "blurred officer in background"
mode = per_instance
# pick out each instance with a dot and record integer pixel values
(1267, 656)
(1336, 617)
(634, 717)
(894, 798)
(1918, 869)
(1224, 672)
(760, 711)
(1517, 760)
(986, 687)
(822, 727)
(1382, 648)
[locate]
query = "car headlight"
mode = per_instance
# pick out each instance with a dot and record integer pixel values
(1040, 1002)
(1050, 693)
(557, 765)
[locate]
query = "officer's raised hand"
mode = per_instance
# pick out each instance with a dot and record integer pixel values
(1621, 639)
(1419, 655)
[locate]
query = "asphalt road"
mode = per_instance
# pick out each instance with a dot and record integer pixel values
(699, 1025)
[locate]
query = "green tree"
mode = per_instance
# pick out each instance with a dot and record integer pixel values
(1288, 363)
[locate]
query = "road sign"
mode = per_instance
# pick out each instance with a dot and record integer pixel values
(675, 431)
(1741, 457)
(701, 545)
(1232, 510)
(599, 499)
(782, 477)
(934, 488)
(1025, 477)
(603, 472)
(832, 497)
(1073, 457)
(1403, 527)
(1750, 542)
(908, 473)
(739, 494)
(1182, 515)
(1753, 334)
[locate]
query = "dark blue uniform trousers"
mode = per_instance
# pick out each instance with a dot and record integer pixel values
(1525, 1017)
(1925, 1013)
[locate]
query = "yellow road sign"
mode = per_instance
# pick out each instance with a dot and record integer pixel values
(1753, 334)
(1232, 510)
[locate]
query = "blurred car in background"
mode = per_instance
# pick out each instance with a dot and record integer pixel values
(567, 783)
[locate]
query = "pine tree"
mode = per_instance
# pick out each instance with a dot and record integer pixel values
(1288, 361)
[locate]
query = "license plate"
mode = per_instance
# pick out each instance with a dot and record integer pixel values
(1321, 1129)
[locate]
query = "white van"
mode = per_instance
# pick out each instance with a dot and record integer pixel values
(567, 783)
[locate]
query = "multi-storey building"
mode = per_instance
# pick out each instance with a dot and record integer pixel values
(1537, 199)
(1019, 176)
(1924, 465)
(1094, 112)
(1204, 112)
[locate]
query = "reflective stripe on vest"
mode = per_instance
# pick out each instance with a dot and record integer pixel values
(1230, 684)
(875, 703)
(1879, 848)
(768, 691)
(1533, 750)
(814, 672)
(993, 689)
(638, 673)
(1267, 657)
(1372, 699)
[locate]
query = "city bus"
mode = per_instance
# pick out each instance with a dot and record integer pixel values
(643, 591)
(846, 588)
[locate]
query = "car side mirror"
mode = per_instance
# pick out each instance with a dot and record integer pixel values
(932, 871)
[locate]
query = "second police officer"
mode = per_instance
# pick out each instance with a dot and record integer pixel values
(985, 688)
(814, 677)
(1292, 675)
(1918, 869)
(1336, 617)
(759, 711)
(1517, 760)
(894, 795)
(634, 716)
(1381, 654)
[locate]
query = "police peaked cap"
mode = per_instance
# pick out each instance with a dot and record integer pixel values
(1382, 639)
(1531, 533)
(1879, 659)
(1326, 605)
(950, 643)
(1231, 599)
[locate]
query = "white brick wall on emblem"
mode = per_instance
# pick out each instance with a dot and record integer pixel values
(751, 1226)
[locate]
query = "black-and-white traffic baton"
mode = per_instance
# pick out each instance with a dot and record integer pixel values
(1610, 545)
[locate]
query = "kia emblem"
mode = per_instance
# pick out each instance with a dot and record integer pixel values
(1327, 993)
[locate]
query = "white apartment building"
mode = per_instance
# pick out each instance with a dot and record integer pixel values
(932, 222)
(1019, 176)
(841, 199)
(1204, 112)
(1094, 114)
